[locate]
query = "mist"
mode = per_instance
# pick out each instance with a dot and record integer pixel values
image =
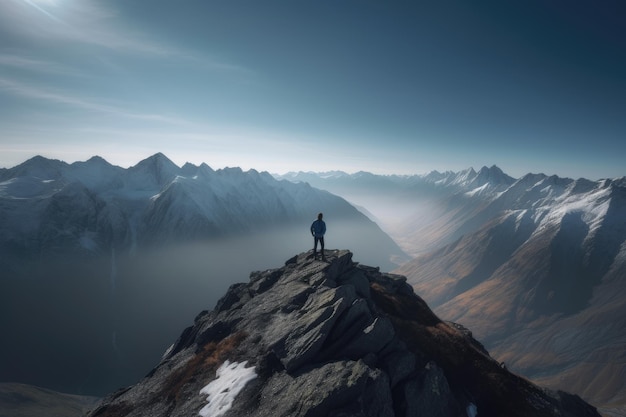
(93, 325)
(403, 216)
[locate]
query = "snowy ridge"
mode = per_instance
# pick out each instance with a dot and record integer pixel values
(547, 200)
(537, 271)
(155, 193)
(467, 180)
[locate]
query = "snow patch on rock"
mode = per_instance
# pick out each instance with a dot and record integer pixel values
(221, 392)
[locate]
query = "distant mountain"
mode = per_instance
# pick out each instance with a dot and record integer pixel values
(332, 339)
(90, 253)
(535, 267)
(364, 181)
(421, 212)
(96, 206)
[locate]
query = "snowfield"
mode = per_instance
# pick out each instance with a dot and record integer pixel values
(222, 391)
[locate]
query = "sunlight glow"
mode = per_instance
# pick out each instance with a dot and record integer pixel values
(40, 4)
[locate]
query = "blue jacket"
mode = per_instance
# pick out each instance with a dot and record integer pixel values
(318, 228)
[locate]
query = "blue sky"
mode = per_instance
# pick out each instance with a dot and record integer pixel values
(381, 86)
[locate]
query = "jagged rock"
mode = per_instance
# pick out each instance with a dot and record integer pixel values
(334, 339)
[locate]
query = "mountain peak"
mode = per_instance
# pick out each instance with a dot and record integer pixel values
(493, 175)
(155, 171)
(322, 338)
(39, 167)
(189, 169)
(96, 159)
(159, 159)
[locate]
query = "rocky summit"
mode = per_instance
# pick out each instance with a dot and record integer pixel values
(331, 338)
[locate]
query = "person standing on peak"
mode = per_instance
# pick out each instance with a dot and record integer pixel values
(318, 229)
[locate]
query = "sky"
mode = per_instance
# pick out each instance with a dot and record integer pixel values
(400, 87)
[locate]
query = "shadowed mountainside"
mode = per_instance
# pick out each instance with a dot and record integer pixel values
(542, 284)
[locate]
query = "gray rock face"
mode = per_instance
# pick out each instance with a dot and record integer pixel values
(334, 339)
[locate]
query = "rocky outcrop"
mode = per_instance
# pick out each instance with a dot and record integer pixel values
(331, 338)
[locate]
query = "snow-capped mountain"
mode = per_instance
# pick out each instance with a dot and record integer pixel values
(90, 253)
(535, 267)
(583, 223)
(542, 282)
(361, 181)
(97, 206)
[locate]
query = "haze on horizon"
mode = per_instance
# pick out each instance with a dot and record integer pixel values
(277, 86)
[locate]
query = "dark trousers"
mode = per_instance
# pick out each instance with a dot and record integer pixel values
(315, 240)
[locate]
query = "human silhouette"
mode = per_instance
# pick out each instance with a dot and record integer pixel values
(318, 229)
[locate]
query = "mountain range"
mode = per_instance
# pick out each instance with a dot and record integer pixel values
(101, 265)
(153, 203)
(535, 266)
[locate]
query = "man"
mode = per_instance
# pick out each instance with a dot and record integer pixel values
(318, 228)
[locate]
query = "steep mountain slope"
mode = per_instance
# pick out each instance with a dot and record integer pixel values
(542, 283)
(330, 339)
(90, 252)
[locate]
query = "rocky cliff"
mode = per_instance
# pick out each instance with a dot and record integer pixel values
(331, 338)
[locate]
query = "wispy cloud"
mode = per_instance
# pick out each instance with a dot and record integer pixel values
(37, 65)
(95, 24)
(84, 21)
(42, 94)
(42, 10)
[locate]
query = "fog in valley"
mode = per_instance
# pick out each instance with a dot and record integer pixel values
(90, 325)
(400, 213)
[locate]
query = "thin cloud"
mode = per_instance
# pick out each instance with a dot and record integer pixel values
(83, 21)
(37, 65)
(42, 10)
(96, 24)
(40, 94)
